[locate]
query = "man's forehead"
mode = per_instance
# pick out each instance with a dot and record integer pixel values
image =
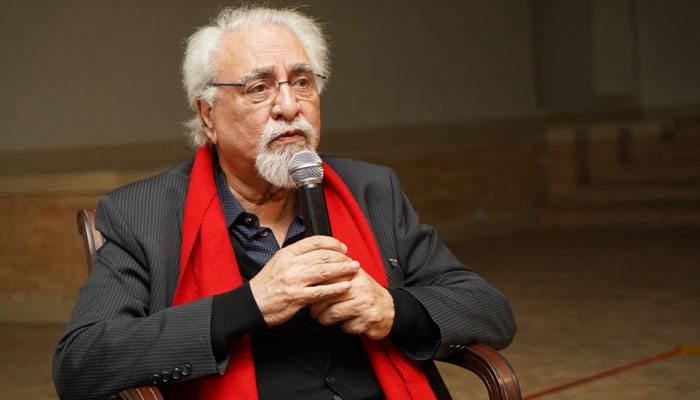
(261, 50)
(271, 71)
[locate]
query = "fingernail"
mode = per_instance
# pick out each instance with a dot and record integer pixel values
(345, 248)
(356, 264)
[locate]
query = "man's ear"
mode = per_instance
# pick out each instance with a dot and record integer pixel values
(204, 111)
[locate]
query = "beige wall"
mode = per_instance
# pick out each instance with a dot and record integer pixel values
(105, 73)
(86, 73)
(669, 51)
(594, 55)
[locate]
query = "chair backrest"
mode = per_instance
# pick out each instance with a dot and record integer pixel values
(489, 365)
(92, 238)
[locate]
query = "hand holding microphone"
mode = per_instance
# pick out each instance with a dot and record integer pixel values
(366, 307)
(306, 169)
(313, 269)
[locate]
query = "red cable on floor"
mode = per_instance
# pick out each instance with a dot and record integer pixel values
(658, 357)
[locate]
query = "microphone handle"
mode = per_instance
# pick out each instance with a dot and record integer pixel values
(314, 210)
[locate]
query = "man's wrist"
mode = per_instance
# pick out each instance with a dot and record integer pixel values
(413, 327)
(240, 303)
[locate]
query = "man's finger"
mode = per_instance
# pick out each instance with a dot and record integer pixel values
(329, 272)
(317, 242)
(338, 312)
(319, 307)
(315, 293)
(354, 326)
(321, 256)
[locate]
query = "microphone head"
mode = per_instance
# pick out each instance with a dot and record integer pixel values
(305, 167)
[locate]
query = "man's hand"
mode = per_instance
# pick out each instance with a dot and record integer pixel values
(305, 272)
(366, 308)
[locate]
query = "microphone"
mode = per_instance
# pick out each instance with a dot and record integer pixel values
(306, 170)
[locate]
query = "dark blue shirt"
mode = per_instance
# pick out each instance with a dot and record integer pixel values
(259, 241)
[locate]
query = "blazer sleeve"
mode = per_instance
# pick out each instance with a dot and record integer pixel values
(463, 305)
(122, 331)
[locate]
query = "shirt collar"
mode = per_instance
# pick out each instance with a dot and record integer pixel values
(232, 209)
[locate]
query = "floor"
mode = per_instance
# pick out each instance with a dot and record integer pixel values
(586, 300)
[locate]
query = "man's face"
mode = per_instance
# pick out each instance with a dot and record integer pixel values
(236, 124)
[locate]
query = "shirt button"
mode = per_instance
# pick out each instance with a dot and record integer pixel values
(330, 379)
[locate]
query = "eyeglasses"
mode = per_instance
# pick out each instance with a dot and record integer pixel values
(261, 89)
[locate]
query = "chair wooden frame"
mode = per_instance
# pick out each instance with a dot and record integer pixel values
(489, 365)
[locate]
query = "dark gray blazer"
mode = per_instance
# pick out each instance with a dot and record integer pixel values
(123, 328)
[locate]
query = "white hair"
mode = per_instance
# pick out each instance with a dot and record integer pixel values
(198, 65)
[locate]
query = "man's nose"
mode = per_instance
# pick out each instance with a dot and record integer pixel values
(285, 103)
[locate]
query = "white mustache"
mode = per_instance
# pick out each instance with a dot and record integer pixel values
(275, 129)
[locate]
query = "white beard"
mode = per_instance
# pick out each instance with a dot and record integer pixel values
(273, 164)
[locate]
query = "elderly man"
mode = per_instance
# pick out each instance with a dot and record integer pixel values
(207, 284)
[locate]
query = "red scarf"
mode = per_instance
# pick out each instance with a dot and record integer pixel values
(208, 266)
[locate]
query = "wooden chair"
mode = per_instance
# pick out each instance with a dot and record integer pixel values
(489, 365)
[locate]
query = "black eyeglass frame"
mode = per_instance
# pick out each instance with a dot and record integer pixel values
(218, 84)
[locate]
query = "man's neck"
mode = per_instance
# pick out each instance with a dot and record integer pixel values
(275, 207)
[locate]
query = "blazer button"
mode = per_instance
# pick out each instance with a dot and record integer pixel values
(155, 379)
(176, 373)
(186, 369)
(330, 379)
(165, 376)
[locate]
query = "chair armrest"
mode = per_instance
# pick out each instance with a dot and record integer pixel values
(491, 367)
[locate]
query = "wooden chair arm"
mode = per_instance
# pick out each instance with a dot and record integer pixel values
(141, 393)
(491, 367)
